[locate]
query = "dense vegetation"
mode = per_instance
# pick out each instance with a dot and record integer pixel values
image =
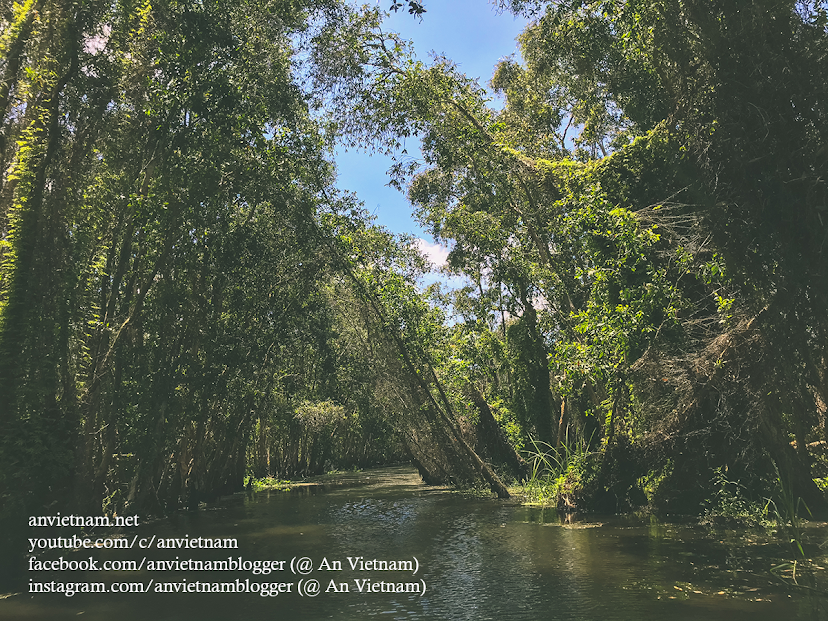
(644, 222)
(185, 298)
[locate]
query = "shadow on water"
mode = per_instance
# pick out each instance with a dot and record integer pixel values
(479, 559)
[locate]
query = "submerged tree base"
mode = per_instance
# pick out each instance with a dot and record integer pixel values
(617, 480)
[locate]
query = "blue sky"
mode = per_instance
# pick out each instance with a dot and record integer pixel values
(472, 34)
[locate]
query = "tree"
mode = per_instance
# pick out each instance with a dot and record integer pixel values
(680, 241)
(161, 181)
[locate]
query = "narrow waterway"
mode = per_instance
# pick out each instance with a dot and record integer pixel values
(475, 558)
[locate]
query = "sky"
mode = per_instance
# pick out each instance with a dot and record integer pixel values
(472, 34)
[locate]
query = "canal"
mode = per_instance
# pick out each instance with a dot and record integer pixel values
(381, 545)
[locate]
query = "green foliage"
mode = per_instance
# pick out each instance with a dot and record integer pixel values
(414, 8)
(267, 483)
(728, 506)
(558, 476)
(661, 244)
(164, 281)
(642, 224)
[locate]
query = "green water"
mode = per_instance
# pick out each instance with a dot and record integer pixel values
(479, 559)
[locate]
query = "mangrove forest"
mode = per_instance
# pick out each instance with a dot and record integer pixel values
(636, 205)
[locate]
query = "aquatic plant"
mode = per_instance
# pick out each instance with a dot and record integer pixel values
(557, 474)
(267, 483)
(729, 504)
(787, 512)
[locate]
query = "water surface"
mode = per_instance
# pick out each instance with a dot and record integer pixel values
(479, 558)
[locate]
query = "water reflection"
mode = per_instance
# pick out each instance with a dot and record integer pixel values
(479, 558)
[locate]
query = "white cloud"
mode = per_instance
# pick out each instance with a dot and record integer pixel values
(436, 253)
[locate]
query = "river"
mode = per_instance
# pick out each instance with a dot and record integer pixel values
(476, 559)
